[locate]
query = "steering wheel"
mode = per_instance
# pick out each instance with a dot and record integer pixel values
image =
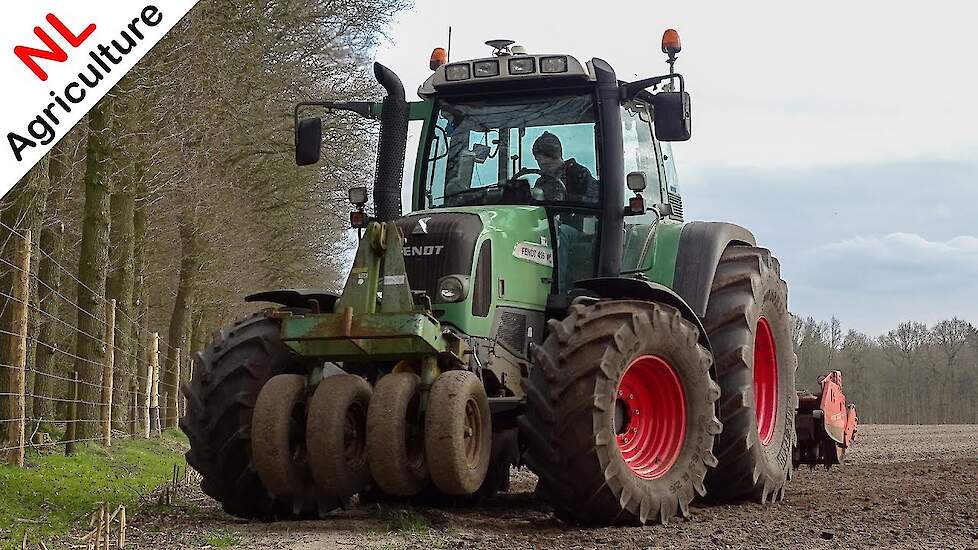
(523, 172)
(561, 188)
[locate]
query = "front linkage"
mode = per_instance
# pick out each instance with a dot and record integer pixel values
(428, 418)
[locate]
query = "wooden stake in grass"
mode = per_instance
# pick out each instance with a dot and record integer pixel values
(154, 397)
(17, 349)
(72, 429)
(107, 364)
(133, 408)
(122, 527)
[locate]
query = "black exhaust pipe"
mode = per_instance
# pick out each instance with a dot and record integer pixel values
(391, 148)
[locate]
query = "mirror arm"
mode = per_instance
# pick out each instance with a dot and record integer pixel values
(362, 108)
(632, 89)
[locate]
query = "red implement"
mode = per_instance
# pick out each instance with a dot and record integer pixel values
(826, 425)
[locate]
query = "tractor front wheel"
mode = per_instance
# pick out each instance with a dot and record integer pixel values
(620, 420)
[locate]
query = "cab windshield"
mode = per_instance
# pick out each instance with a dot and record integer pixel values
(525, 151)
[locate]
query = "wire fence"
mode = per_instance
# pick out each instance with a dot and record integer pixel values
(64, 379)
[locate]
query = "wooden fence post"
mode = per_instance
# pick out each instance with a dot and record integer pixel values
(173, 416)
(134, 408)
(144, 413)
(190, 378)
(20, 293)
(107, 364)
(154, 366)
(72, 429)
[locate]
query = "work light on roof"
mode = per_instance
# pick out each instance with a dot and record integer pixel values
(553, 64)
(485, 69)
(457, 71)
(522, 65)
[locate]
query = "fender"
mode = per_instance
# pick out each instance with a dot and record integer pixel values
(316, 299)
(638, 289)
(700, 247)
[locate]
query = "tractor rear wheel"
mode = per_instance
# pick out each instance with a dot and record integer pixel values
(228, 376)
(620, 420)
(750, 330)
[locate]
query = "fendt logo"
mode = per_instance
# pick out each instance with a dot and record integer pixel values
(429, 250)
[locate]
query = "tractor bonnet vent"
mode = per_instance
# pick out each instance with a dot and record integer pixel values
(676, 202)
(511, 332)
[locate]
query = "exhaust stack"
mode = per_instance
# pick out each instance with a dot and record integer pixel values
(390, 150)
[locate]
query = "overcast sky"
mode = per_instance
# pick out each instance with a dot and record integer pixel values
(843, 134)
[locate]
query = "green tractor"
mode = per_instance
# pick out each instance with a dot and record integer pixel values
(544, 304)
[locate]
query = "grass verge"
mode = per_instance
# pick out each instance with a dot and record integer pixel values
(54, 491)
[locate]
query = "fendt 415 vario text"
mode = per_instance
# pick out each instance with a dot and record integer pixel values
(544, 304)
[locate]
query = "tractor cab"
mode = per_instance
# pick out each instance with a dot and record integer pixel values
(527, 130)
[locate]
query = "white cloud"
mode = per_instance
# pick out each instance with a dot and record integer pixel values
(875, 282)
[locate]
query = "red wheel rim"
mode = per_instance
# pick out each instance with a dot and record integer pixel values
(765, 381)
(650, 416)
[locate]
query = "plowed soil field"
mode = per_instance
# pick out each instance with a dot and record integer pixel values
(902, 487)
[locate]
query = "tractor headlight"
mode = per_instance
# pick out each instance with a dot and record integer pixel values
(452, 288)
(458, 71)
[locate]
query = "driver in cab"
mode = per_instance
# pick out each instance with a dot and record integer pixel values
(562, 180)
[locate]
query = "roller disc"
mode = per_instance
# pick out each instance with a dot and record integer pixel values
(395, 442)
(458, 433)
(277, 437)
(336, 435)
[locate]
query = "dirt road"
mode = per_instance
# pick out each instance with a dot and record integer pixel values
(903, 487)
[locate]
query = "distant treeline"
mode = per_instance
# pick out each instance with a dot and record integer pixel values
(913, 374)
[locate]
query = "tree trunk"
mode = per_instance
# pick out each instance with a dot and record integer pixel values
(120, 287)
(93, 266)
(190, 265)
(18, 212)
(137, 359)
(51, 245)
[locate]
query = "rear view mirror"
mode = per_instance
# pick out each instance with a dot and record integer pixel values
(308, 139)
(672, 116)
(481, 152)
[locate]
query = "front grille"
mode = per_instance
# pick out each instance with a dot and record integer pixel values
(676, 201)
(437, 245)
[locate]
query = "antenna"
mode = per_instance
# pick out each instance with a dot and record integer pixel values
(448, 57)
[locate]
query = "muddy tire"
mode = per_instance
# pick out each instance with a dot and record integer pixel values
(278, 443)
(458, 433)
(600, 378)
(228, 375)
(750, 330)
(395, 438)
(336, 435)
